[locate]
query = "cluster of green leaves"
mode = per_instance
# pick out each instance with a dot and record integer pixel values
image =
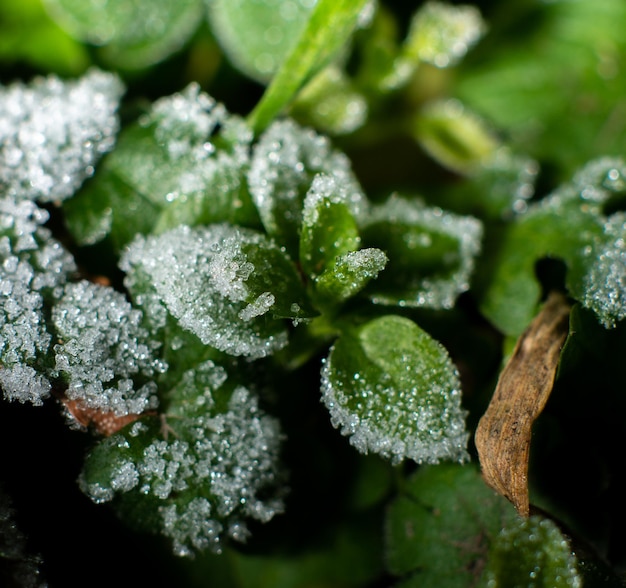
(250, 267)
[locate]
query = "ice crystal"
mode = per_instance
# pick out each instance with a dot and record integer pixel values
(200, 275)
(211, 472)
(34, 268)
(52, 133)
(103, 351)
(284, 163)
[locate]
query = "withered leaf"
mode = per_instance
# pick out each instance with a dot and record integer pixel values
(503, 433)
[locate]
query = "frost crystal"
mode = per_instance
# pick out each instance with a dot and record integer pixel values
(212, 471)
(605, 281)
(201, 277)
(52, 133)
(284, 163)
(103, 351)
(34, 267)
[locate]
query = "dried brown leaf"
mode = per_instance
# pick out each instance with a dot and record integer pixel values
(504, 432)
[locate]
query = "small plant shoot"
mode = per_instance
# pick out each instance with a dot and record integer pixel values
(312, 293)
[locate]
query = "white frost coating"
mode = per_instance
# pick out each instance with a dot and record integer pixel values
(52, 133)
(284, 162)
(103, 349)
(185, 123)
(435, 291)
(200, 275)
(211, 473)
(33, 268)
(605, 282)
(601, 177)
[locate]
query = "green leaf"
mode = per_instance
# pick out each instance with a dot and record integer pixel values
(532, 552)
(440, 529)
(222, 283)
(199, 473)
(134, 34)
(394, 390)
(349, 274)
(431, 253)
(28, 33)
(329, 228)
(257, 36)
(285, 161)
(454, 137)
(439, 34)
(182, 163)
(328, 28)
(568, 225)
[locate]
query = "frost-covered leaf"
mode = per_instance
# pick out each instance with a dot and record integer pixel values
(284, 163)
(329, 28)
(104, 354)
(439, 34)
(257, 36)
(453, 136)
(431, 253)
(135, 34)
(329, 228)
(349, 274)
(33, 269)
(223, 283)
(569, 225)
(532, 552)
(53, 133)
(440, 529)
(603, 287)
(198, 475)
(182, 163)
(395, 391)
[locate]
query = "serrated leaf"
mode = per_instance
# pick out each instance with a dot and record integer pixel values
(220, 282)
(532, 552)
(440, 529)
(329, 228)
(327, 29)
(394, 390)
(257, 36)
(182, 163)
(431, 253)
(285, 161)
(134, 34)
